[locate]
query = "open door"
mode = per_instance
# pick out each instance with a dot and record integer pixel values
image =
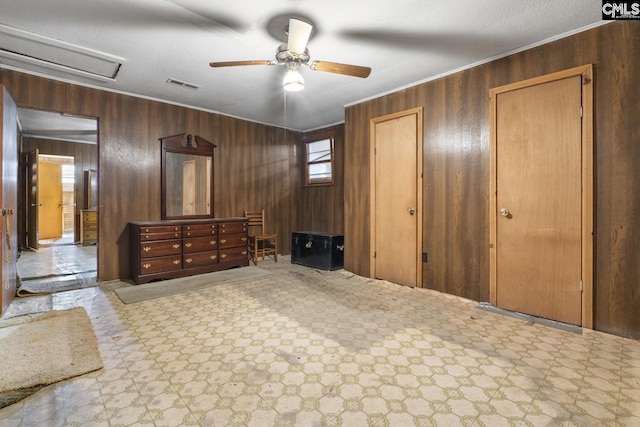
(49, 200)
(8, 198)
(32, 200)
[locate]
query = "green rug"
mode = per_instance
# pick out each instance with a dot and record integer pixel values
(137, 293)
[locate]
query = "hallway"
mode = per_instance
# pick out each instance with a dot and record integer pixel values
(55, 268)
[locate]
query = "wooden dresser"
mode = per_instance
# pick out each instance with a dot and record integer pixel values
(88, 226)
(178, 248)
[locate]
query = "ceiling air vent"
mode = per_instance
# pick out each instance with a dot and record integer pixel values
(177, 82)
(32, 52)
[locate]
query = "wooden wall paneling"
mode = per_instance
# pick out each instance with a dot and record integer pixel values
(30, 91)
(356, 180)
(321, 208)
(129, 175)
(618, 182)
(456, 169)
(434, 214)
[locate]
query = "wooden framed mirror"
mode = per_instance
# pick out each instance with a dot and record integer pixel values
(187, 177)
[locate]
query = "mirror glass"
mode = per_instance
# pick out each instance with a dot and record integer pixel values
(187, 177)
(188, 184)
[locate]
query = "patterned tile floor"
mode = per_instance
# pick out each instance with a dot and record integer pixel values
(302, 347)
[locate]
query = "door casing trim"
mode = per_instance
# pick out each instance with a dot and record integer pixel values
(418, 111)
(586, 73)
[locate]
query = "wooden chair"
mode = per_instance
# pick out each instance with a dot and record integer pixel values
(261, 243)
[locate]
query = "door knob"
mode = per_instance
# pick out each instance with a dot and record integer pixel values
(504, 212)
(411, 210)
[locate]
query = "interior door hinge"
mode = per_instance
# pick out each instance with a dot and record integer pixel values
(581, 112)
(581, 286)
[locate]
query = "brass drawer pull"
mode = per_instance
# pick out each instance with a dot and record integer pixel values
(213, 257)
(244, 252)
(146, 266)
(188, 260)
(244, 239)
(146, 248)
(212, 242)
(223, 256)
(188, 245)
(176, 246)
(176, 262)
(223, 241)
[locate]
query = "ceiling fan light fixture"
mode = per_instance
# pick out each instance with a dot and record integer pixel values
(293, 81)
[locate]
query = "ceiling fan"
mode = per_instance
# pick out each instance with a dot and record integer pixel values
(295, 54)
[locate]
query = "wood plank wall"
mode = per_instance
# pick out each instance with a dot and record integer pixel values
(321, 208)
(255, 165)
(85, 158)
(456, 169)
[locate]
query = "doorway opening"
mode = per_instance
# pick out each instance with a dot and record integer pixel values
(57, 186)
(58, 154)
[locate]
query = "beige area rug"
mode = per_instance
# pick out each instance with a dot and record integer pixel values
(137, 293)
(43, 348)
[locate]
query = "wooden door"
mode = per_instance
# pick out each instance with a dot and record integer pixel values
(50, 200)
(538, 219)
(32, 200)
(9, 198)
(397, 198)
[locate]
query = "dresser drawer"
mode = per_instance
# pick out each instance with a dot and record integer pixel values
(160, 264)
(233, 240)
(89, 216)
(200, 244)
(161, 236)
(234, 254)
(200, 259)
(89, 235)
(195, 230)
(160, 248)
(151, 229)
(232, 227)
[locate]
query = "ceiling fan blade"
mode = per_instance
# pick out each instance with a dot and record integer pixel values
(299, 33)
(239, 63)
(334, 67)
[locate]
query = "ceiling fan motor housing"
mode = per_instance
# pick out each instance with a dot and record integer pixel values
(285, 56)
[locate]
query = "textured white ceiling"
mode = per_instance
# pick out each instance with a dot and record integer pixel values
(404, 42)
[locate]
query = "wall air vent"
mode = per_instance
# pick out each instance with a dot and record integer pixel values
(191, 86)
(28, 51)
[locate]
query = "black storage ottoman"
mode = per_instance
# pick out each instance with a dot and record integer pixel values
(324, 251)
